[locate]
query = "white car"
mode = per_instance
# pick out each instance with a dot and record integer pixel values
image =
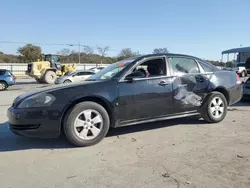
(74, 77)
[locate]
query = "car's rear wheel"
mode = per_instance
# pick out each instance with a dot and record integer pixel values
(3, 86)
(214, 108)
(86, 124)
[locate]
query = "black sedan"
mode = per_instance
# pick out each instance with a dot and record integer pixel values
(132, 91)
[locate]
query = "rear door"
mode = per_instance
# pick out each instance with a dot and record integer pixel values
(190, 84)
(86, 75)
(79, 76)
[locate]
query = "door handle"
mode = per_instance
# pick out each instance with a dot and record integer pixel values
(163, 83)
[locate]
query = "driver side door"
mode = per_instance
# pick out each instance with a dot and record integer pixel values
(145, 98)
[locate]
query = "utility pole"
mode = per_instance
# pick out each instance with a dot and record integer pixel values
(79, 52)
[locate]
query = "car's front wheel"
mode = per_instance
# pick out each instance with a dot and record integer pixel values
(67, 81)
(214, 108)
(86, 124)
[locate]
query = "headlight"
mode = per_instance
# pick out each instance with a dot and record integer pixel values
(38, 100)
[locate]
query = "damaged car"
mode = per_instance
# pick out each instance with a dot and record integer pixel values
(132, 91)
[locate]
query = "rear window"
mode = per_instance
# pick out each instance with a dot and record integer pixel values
(206, 68)
(2, 72)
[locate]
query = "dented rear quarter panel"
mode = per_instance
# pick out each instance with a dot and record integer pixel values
(227, 81)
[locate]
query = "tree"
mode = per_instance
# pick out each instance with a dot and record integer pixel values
(160, 50)
(102, 51)
(30, 52)
(126, 53)
(64, 52)
(88, 50)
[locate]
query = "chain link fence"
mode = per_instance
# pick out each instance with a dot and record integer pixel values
(18, 69)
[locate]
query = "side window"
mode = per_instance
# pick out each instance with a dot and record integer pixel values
(86, 73)
(2, 72)
(151, 68)
(182, 65)
(80, 74)
(205, 67)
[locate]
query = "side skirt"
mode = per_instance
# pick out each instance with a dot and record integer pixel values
(141, 121)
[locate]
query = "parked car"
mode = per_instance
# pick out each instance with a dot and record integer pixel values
(132, 91)
(6, 79)
(241, 70)
(96, 69)
(74, 77)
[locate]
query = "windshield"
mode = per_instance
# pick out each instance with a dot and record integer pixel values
(111, 70)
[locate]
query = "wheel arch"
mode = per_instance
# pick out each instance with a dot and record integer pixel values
(97, 99)
(224, 91)
(5, 82)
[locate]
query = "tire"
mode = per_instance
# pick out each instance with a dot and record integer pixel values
(49, 77)
(208, 113)
(86, 127)
(3, 85)
(67, 81)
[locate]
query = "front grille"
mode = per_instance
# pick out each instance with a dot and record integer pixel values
(24, 127)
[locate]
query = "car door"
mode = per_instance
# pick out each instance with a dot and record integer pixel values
(78, 76)
(145, 98)
(86, 75)
(190, 83)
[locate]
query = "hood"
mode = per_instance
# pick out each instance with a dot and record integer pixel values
(53, 88)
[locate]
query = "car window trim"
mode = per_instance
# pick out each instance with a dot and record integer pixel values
(122, 79)
(199, 62)
(178, 56)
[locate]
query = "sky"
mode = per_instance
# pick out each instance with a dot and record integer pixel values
(203, 28)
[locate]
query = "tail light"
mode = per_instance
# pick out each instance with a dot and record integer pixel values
(238, 79)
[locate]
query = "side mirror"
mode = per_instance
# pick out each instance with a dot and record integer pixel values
(129, 78)
(134, 75)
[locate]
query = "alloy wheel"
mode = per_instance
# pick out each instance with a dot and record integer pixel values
(216, 107)
(88, 124)
(2, 86)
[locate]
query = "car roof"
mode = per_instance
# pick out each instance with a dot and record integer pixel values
(168, 54)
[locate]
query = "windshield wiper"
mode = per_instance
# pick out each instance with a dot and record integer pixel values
(90, 80)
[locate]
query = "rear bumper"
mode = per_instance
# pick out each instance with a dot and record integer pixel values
(34, 122)
(235, 94)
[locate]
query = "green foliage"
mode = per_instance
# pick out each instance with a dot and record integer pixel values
(126, 53)
(30, 52)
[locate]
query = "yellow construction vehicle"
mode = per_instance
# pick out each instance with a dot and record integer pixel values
(48, 70)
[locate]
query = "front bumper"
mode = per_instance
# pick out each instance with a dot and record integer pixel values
(40, 123)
